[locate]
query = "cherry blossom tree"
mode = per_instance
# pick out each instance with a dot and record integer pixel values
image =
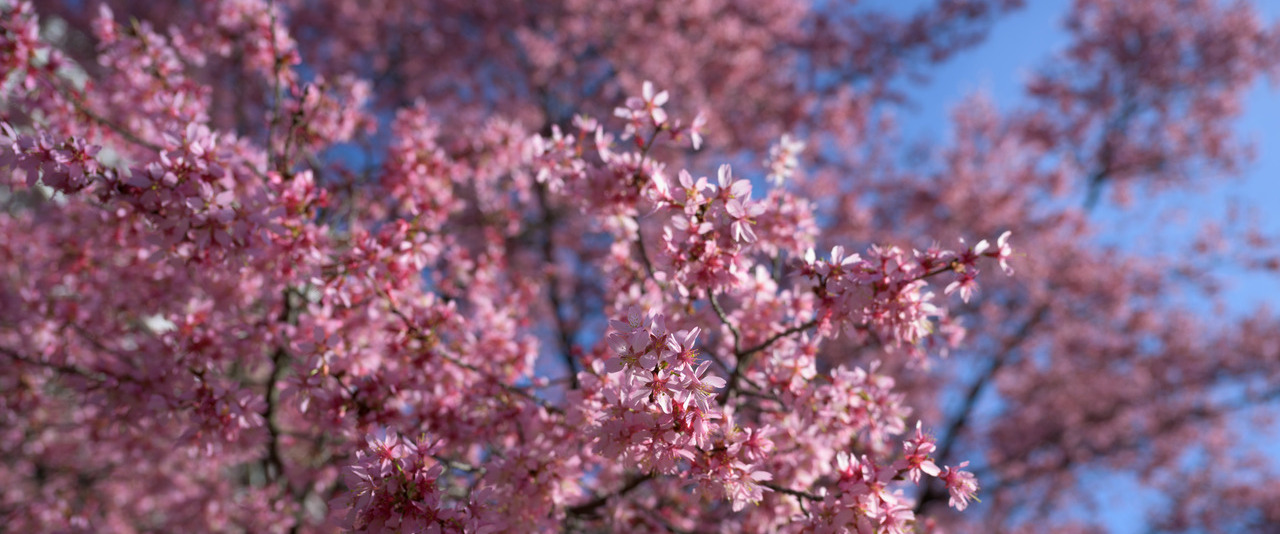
(471, 266)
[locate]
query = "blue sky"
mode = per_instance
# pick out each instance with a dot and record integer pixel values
(998, 67)
(1026, 39)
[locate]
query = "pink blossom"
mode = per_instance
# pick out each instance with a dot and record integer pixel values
(961, 484)
(395, 267)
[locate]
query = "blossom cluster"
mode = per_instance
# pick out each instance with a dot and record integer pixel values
(708, 226)
(661, 410)
(197, 201)
(270, 327)
(531, 266)
(885, 294)
(393, 487)
(645, 113)
(655, 403)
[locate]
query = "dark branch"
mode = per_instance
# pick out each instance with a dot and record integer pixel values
(590, 507)
(791, 492)
(724, 319)
(951, 437)
(744, 356)
(62, 368)
(553, 286)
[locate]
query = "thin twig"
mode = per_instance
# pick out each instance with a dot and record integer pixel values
(791, 492)
(110, 124)
(644, 254)
(724, 319)
(745, 356)
(589, 507)
(508, 387)
(779, 336)
(63, 368)
(460, 466)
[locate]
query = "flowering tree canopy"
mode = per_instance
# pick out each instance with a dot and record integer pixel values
(635, 266)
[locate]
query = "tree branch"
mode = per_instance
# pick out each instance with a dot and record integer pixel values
(275, 460)
(644, 254)
(589, 507)
(553, 286)
(744, 356)
(62, 368)
(724, 319)
(110, 124)
(932, 492)
(791, 492)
